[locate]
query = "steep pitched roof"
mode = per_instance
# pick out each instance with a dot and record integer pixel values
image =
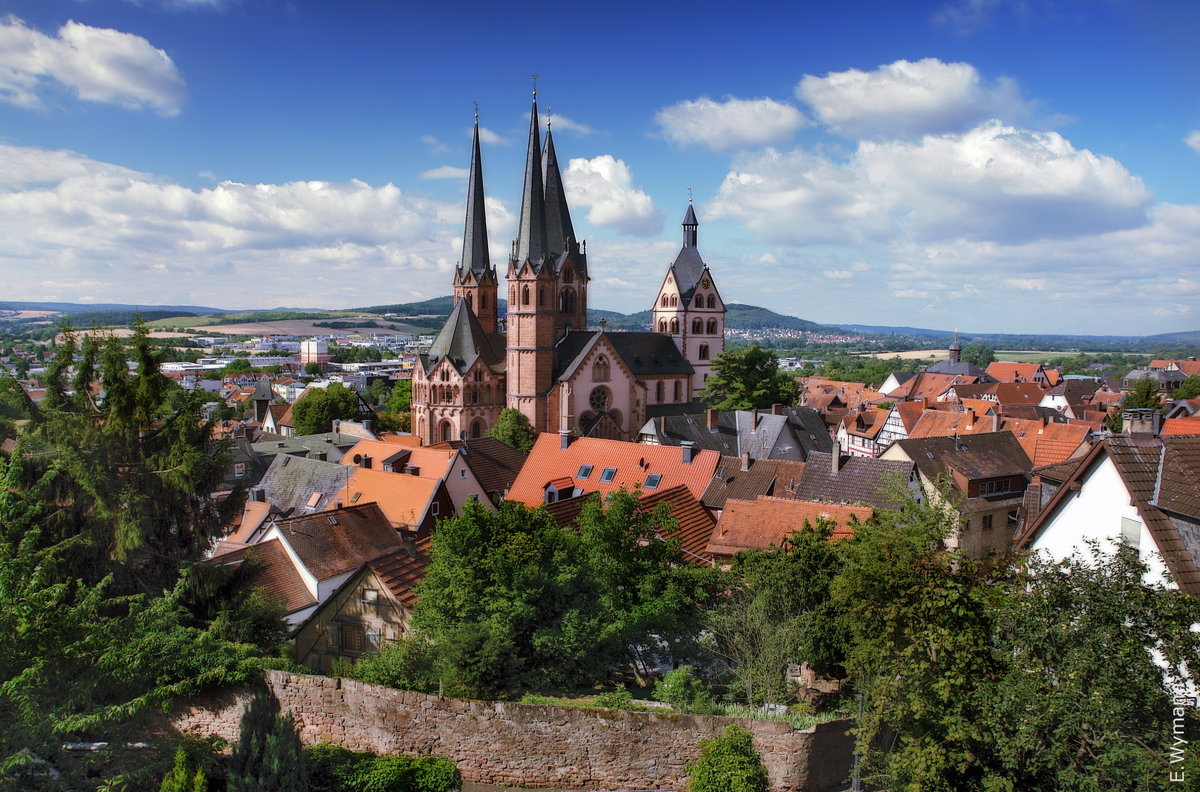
(403, 499)
(1142, 463)
(975, 456)
(857, 480)
(767, 521)
(475, 256)
(402, 570)
(430, 461)
(693, 523)
(559, 230)
(1005, 371)
(463, 341)
(730, 481)
(531, 224)
(298, 484)
(644, 354)
(331, 543)
(632, 463)
(494, 464)
(278, 574)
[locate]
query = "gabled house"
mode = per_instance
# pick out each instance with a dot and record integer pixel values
(745, 478)
(444, 463)
(493, 464)
(783, 433)
(1143, 491)
(1005, 371)
(987, 474)
(832, 478)
(368, 611)
(858, 434)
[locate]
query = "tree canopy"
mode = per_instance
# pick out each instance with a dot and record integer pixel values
(749, 378)
(318, 408)
(1143, 396)
(514, 430)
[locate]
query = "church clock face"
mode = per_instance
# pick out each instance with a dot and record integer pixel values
(599, 399)
(704, 284)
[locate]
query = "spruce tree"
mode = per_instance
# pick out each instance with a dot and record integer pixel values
(269, 757)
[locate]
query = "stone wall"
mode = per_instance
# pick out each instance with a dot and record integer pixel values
(526, 745)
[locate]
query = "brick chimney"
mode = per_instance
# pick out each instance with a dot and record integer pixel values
(835, 460)
(776, 409)
(745, 461)
(713, 417)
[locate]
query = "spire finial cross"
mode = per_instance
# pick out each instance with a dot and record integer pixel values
(476, 111)
(689, 189)
(534, 78)
(549, 115)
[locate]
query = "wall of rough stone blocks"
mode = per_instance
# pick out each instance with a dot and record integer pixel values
(527, 745)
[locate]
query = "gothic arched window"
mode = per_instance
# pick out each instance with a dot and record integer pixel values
(483, 301)
(674, 325)
(678, 391)
(697, 326)
(541, 296)
(712, 326)
(664, 301)
(470, 302)
(712, 301)
(674, 301)
(476, 428)
(566, 301)
(662, 326)
(524, 295)
(600, 372)
(659, 392)
(447, 431)
(704, 351)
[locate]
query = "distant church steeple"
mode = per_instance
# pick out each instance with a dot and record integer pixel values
(560, 235)
(531, 234)
(690, 224)
(475, 281)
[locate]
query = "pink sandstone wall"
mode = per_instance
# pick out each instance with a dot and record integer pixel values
(519, 744)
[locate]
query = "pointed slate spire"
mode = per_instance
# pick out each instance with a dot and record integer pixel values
(475, 256)
(531, 238)
(689, 228)
(559, 231)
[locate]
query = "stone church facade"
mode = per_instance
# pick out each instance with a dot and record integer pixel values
(547, 363)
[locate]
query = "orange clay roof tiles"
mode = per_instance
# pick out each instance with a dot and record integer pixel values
(403, 498)
(278, 574)
(631, 464)
(766, 521)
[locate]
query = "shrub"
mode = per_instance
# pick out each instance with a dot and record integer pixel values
(615, 699)
(685, 692)
(728, 763)
(336, 769)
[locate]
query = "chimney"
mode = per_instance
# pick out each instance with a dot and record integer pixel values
(564, 438)
(995, 422)
(713, 417)
(368, 425)
(776, 409)
(258, 495)
(745, 461)
(337, 425)
(754, 419)
(835, 460)
(689, 451)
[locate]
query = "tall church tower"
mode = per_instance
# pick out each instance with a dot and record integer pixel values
(475, 279)
(688, 307)
(547, 281)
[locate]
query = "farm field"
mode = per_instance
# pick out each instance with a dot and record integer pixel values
(297, 327)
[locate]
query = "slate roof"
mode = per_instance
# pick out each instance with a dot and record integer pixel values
(766, 522)
(645, 354)
(331, 543)
(494, 464)
(278, 574)
(730, 481)
(464, 341)
(858, 480)
(975, 456)
(792, 435)
(632, 462)
(290, 482)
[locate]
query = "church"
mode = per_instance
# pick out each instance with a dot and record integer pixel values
(545, 361)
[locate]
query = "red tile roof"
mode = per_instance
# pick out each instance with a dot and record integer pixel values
(331, 543)
(693, 523)
(1181, 426)
(402, 571)
(766, 521)
(278, 574)
(632, 463)
(403, 498)
(1005, 371)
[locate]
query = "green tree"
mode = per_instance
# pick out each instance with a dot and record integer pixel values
(514, 430)
(312, 369)
(779, 611)
(400, 400)
(317, 409)
(728, 763)
(1188, 389)
(748, 378)
(1143, 396)
(268, 757)
(979, 354)
(184, 775)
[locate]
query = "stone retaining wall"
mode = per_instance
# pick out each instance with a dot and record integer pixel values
(528, 745)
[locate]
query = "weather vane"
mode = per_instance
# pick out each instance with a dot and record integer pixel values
(476, 109)
(534, 78)
(689, 194)
(549, 115)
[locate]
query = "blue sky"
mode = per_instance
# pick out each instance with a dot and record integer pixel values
(988, 165)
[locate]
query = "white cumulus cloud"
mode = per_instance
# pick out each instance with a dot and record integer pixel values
(1193, 141)
(254, 245)
(908, 98)
(445, 172)
(994, 183)
(95, 64)
(731, 123)
(604, 186)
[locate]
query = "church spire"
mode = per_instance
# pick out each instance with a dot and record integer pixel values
(689, 227)
(475, 256)
(559, 232)
(531, 238)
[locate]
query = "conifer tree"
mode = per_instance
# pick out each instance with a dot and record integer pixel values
(269, 757)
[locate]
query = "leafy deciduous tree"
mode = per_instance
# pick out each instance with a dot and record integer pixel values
(748, 378)
(317, 409)
(514, 430)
